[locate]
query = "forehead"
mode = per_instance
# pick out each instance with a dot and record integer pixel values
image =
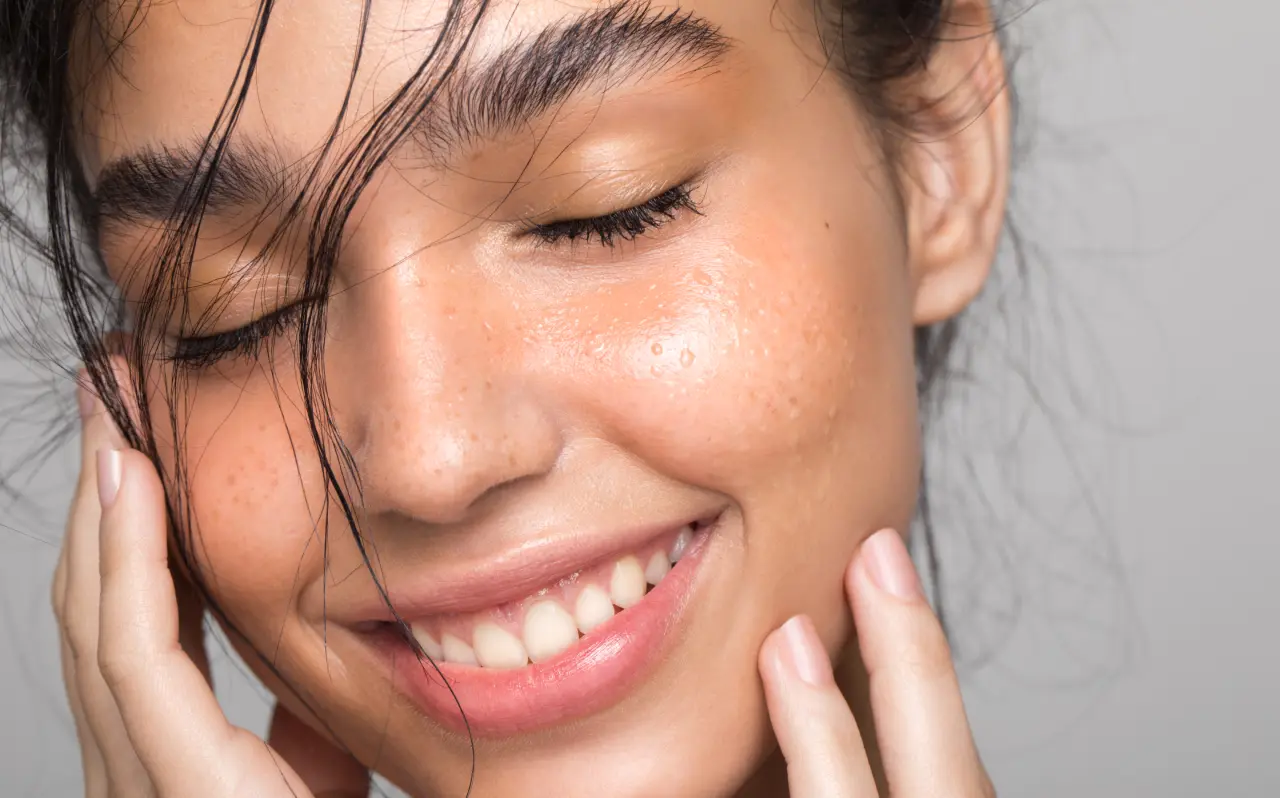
(181, 59)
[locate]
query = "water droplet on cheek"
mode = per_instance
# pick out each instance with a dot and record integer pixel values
(656, 349)
(687, 357)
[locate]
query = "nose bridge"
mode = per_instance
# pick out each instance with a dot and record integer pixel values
(441, 412)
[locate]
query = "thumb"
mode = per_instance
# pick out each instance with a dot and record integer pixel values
(327, 770)
(815, 728)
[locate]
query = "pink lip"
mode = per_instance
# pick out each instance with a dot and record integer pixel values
(474, 586)
(592, 675)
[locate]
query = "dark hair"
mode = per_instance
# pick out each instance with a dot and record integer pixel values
(877, 46)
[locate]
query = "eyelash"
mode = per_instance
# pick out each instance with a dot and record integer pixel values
(201, 352)
(628, 224)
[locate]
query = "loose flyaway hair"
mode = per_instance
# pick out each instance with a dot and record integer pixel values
(51, 49)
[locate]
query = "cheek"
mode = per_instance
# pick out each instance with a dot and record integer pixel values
(761, 364)
(250, 472)
(776, 369)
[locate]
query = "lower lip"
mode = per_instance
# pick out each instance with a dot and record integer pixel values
(591, 676)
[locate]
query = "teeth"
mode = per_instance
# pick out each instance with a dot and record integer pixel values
(592, 608)
(456, 650)
(498, 648)
(429, 645)
(682, 542)
(548, 630)
(657, 568)
(627, 586)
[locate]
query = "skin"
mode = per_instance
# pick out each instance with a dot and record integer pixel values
(756, 357)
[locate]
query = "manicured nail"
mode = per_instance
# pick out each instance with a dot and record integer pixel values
(890, 566)
(803, 653)
(108, 476)
(84, 397)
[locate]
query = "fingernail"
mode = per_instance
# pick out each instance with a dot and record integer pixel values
(108, 476)
(84, 397)
(890, 567)
(803, 653)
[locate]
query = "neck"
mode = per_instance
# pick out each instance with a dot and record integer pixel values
(770, 780)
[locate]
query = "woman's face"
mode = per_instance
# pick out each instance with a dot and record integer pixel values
(538, 410)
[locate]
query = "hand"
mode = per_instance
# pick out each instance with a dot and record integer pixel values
(133, 656)
(923, 734)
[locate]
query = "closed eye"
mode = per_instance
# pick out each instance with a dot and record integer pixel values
(627, 224)
(203, 351)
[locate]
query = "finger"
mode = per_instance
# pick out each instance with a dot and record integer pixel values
(104, 740)
(813, 723)
(93, 768)
(171, 715)
(327, 770)
(92, 763)
(921, 725)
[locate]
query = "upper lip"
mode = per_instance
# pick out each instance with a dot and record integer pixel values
(478, 584)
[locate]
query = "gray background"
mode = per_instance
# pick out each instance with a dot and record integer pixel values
(1111, 550)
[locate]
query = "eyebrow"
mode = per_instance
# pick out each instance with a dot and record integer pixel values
(606, 47)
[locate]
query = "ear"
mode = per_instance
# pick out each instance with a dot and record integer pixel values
(957, 172)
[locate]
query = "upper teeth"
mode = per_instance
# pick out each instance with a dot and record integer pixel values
(682, 543)
(627, 585)
(593, 608)
(498, 648)
(549, 627)
(548, 630)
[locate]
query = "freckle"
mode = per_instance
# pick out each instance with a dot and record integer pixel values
(687, 357)
(827, 225)
(656, 349)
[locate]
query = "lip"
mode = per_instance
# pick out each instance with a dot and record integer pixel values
(590, 676)
(471, 586)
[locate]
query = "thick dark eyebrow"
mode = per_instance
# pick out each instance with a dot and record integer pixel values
(603, 48)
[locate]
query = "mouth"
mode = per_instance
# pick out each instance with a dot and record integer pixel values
(563, 651)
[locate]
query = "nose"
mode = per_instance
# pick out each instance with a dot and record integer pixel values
(438, 411)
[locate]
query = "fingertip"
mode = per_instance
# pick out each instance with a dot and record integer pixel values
(110, 473)
(133, 520)
(884, 565)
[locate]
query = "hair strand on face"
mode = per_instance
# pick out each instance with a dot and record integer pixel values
(52, 50)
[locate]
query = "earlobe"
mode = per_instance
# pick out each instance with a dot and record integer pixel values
(957, 180)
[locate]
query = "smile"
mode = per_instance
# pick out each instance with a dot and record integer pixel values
(572, 647)
(549, 622)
